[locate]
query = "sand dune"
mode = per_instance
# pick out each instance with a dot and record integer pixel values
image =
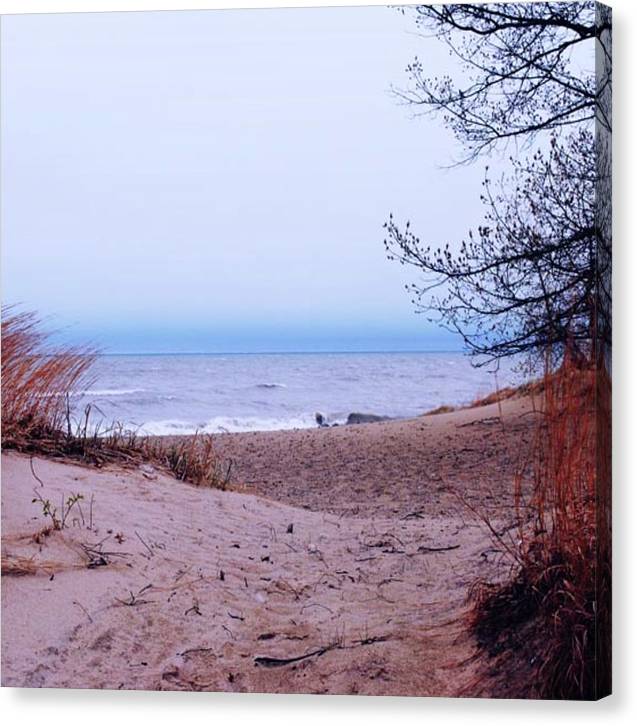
(340, 563)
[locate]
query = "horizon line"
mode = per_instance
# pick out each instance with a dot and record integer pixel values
(281, 352)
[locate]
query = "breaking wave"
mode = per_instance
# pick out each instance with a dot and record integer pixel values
(226, 424)
(109, 391)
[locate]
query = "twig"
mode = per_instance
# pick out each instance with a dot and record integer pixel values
(152, 554)
(195, 650)
(84, 610)
(35, 476)
(134, 599)
(317, 605)
(194, 608)
(227, 629)
(90, 515)
(414, 515)
(372, 639)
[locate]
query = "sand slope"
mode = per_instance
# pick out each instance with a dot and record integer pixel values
(202, 589)
(390, 468)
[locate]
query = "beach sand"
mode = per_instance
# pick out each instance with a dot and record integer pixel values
(346, 545)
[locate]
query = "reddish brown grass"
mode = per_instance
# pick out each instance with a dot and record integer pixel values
(36, 378)
(439, 410)
(556, 610)
(531, 388)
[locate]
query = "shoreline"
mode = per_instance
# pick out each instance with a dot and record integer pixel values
(220, 395)
(358, 418)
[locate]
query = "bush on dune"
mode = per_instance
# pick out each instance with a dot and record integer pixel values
(555, 611)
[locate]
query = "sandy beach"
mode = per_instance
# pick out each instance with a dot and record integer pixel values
(338, 562)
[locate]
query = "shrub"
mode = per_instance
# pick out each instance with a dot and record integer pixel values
(559, 593)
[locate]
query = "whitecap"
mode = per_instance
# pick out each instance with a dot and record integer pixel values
(227, 424)
(109, 391)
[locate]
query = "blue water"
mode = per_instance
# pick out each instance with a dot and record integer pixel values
(178, 394)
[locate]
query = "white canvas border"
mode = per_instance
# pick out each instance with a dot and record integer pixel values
(98, 708)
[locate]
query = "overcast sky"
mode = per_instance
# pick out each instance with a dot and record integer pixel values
(216, 181)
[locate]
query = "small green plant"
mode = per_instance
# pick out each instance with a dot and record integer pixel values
(50, 511)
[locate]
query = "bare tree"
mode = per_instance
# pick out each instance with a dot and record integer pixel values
(525, 283)
(536, 273)
(518, 76)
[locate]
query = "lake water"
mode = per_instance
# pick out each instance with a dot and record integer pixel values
(180, 394)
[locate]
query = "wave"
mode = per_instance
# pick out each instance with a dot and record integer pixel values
(93, 392)
(240, 424)
(109, 391)
(227, 424)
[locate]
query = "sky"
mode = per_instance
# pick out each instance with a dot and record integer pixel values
(218, 180)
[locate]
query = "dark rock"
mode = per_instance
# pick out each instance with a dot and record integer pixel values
(320, 420)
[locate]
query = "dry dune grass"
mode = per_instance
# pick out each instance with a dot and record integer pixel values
(531, 388)
(439, 410)
(555, 610)
(19, 566)
(38, 380)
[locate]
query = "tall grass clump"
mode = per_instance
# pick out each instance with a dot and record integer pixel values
(194, 459)
(555, 610)
(38, 382)
(37, 378)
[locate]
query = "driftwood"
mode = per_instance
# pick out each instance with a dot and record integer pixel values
(270, 662)
(476, 422)
(418, 514)
(425, 550)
